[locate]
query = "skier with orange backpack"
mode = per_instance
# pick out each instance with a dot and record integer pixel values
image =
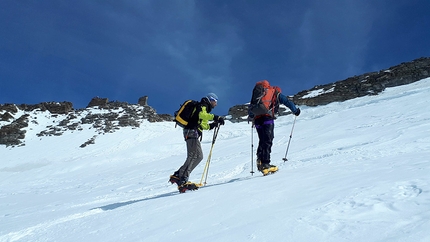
(261, 111)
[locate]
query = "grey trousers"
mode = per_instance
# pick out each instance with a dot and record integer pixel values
(194, 156)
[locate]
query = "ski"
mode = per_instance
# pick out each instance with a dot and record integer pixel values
(269, 173)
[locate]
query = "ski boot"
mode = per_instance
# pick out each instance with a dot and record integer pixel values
(269, 169)
(175, 179)
(188, 186)
(259, 165)
(266, 168)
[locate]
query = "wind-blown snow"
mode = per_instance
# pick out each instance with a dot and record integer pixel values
(318, 92)
(356, 171)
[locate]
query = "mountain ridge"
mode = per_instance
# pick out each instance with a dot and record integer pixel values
(105, 116)
(371, 83)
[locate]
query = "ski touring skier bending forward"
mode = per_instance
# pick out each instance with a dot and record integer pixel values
(261, 111)
(192, 131)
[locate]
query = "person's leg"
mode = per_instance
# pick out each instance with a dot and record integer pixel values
(194, 156)
(197, 157)
(265, 135)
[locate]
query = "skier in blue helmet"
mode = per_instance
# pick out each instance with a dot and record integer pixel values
(192, 134)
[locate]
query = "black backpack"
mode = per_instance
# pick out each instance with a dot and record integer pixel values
(184, 115)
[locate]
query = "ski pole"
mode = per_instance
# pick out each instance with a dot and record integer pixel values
(291, 135)
(210, 153)
(252, 149)
(206, 170)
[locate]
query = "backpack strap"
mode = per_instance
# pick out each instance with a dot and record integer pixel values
(194, 119)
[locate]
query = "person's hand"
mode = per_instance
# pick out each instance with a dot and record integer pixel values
(213, 125)
(297, 113)
(219, 120)
(250, 119)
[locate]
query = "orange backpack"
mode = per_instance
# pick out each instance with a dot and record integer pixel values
(264, 99)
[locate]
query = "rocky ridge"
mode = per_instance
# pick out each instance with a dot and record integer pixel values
(100, 114)
(105, 116)
(366, 84)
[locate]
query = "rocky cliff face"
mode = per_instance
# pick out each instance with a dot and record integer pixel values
(107, 117)
(100, 114)
(366, 84)
(353, 87)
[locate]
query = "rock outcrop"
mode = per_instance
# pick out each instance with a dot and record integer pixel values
(14, 133)
(102, 115)
(371, 83)
(366, 84)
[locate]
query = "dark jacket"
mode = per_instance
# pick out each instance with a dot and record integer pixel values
(201, 117)
(281, 99)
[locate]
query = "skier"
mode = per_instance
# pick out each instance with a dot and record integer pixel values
(269, 99)
(192, 134)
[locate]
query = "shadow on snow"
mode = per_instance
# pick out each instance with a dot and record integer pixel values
(122, 204)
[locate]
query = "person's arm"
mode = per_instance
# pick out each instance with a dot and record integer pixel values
(284, 100)
(204, 116)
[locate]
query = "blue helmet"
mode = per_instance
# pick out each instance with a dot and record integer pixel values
(212, 97)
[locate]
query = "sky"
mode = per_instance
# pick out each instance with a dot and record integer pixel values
(357, 171)
(171, 50)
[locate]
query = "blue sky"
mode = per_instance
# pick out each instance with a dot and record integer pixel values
(172, 50)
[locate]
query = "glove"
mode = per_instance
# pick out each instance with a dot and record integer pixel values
(213, 125)
(250, 119)
(297, 113)
(219, 119)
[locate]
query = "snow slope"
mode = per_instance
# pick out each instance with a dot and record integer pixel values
(356, 171)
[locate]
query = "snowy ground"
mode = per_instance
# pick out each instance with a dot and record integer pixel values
(356, 171)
